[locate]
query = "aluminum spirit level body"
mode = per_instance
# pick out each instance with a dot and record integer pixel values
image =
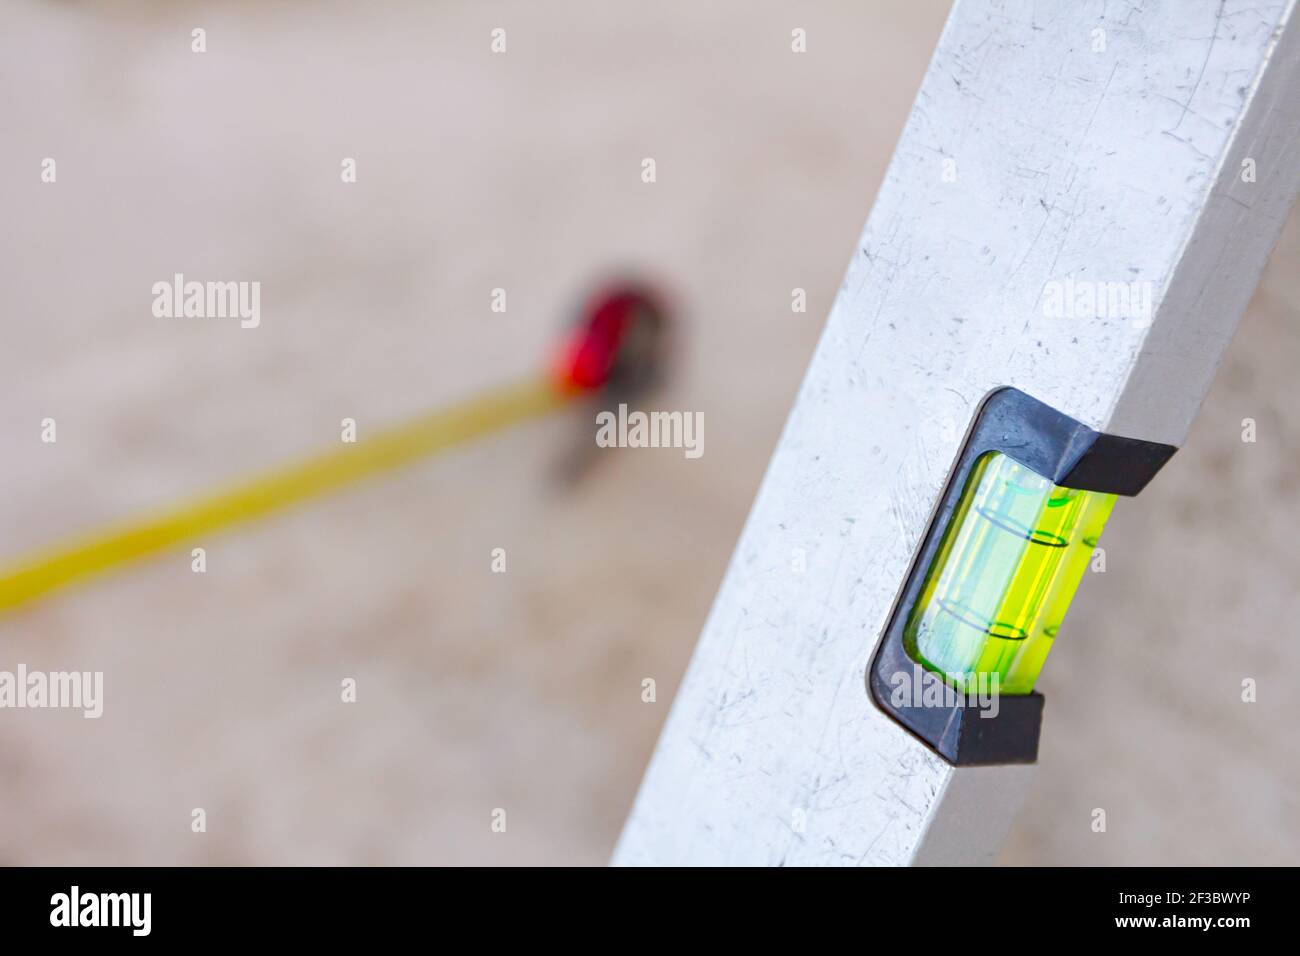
(1048, 151)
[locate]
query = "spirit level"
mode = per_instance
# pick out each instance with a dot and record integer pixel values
(1126, 168)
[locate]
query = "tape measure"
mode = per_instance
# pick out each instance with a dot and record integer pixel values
(616, 345)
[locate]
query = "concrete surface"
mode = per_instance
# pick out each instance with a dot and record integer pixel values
(520, 691)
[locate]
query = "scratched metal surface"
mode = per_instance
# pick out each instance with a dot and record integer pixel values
(1070, 163)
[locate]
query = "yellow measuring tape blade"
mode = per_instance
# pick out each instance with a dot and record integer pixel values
(30, 578)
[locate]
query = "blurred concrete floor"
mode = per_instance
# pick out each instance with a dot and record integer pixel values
(520, 691)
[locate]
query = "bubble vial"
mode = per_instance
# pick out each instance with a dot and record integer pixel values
(1004, 575)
